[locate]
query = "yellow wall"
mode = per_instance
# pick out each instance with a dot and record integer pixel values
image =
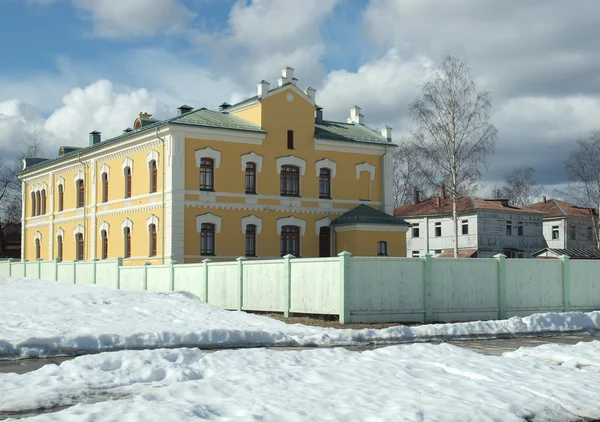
(364, 243)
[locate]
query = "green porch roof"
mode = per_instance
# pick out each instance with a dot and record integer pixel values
(363, 214)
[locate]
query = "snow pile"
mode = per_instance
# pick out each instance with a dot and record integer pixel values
(44, 318)
(397, 383)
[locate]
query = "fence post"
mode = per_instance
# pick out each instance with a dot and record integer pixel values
(10, 260)
(240, 262)
(119, 264)
(502, 311)
(146, 275)
(566, 276)
(25, 261)
(206, 262)
(427, 281)
(345, 286)
(287, 292)
(172, 275)
(74, 271)
(56, 261)
(94, 279)
(39, 265)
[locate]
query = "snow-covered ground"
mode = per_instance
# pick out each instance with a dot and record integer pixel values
(414, 382)
(44, 318)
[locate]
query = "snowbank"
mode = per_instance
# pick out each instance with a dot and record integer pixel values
(397, 383)
(43, 318)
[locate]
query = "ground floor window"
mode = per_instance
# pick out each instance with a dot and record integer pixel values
(250, 240)
(207, 239)
(382, 248)
(290, 240)
(80, 246)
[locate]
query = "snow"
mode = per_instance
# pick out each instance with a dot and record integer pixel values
(397, 383)
(44, 318)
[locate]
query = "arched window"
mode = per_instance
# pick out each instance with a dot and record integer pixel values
(104, 240)
(104, 187)
(37, 249)
(325, 183)
(59, 247)
(324, 242)
(152, 239)
(250, 240)
(290, 240)
(382, 248)
(43, 196)
(61, 198)
(153, 176)
(290, 181)
(250, 178)
(207, 239)
(33, 204)
(80, 246)
(127, 174)
(127, 242)
(207, 169)
(38, 203)
(80, 193)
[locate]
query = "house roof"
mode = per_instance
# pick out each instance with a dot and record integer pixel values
(356, 132)
(464, 204)
(573, 253)
(364, 214)
(462, 253)
(557, 208)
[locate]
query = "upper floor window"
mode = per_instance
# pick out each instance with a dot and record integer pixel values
(33, 204)
(127, 242)
(555, 233)
(152, 240)
(59, 247)
(520, 228)
(80, 193)
(290, 181)
(415, 254)
(104, 187)
(325, 183)
(382, 248)
(290, 240)
(127, 173)
(207, 239)
(508, 227)
(415, 230)
(573, 232)
(153, 176)
(207, 169)
(438, 229)
(465, 227)
(61, 198)
(290, 139)
(104, 241)
(80, 247)
(250, 240)
(43, 197)
(250, 178)
(38, 203)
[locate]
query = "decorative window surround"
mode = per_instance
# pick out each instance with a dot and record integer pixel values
(365, 167)
(208, 218)
(106, 227)
(78, 230)
(127, 223)
(37, 236)
(325, 163)
(78, 176)
(252, 219)
(127, 162)
(208, 153)
(323, 222)
(105, 169)
(152, 220)
(252, 157)
(291, 221)
(153, 155)
(60, 232)
(60, 182)
(291, 161)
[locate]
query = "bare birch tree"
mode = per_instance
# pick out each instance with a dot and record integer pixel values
(583, 173)
(520, 187)
(407, 175)
(453, 136)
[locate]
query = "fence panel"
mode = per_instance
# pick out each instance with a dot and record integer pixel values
(159, 278)
(4, 268)
(386, 289)
(132, 278)
(264, 285)
(32, 269)
(107, 273)
(223, 284)
(315, 286)
(585, 285)
(85, 272)
(533, 285)
(18, 269)
(48, 270)
(190, 278)
(464, 289)
(66, 272)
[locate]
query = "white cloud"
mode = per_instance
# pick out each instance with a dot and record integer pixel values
(17, 121)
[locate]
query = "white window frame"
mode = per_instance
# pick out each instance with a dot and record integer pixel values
(252, 219)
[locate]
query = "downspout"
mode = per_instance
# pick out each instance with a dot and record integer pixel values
(162, 219)
(85, 233)
(383, 179)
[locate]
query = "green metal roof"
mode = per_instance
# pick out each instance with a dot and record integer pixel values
(366, 215)
(351, 132)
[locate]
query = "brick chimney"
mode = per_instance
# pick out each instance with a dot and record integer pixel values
(544, 199)
(416, 196)
(442, 191)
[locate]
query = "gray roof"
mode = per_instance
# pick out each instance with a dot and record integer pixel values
(573, 253)
(366, 215)
(353, 132)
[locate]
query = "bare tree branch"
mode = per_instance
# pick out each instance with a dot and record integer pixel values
(519, 186)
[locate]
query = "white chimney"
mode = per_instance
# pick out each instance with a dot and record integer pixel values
(355, 116)
(311, 92)
(294, 81)
(263, 88)
(287, 75)
(386, 132)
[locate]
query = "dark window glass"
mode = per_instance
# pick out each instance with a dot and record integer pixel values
(207, 174)
(80, 193)
(382, 249)
(250, 178)
(127, 246)
(59, 247)
(290, 139)
(80, 246)
(325, 184)
(438, 229)
(127, 182)
(207, 239)
(104, 238)
(152, 240)
(43, 201)
(33, 204)
(415, 230)
(555, 233)
(290, 181)
(509, 228)
(37, 249)
(61, 198)
(104, 187)
(520, 229)
(38, 203)
(153, 176)
(465, 227)
(250, 240)
(324, 242)
(290, 240)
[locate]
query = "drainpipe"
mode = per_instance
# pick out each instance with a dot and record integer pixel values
(85, 233)
(383, 179)
(164, 163)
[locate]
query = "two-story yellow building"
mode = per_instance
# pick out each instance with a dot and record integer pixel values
(262, 178)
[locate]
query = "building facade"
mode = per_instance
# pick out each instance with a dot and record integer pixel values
(486, 227)
(262, 178)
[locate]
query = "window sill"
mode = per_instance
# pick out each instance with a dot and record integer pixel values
(206, 190)
(325, 197)
(207, 254)
(251, 193)
(250, 256)
(290, 195)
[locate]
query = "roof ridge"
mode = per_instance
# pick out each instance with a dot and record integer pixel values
(560, 208)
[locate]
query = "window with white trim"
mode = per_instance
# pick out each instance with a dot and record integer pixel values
(382, 248)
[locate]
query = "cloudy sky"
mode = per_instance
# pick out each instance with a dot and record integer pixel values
(71, 66)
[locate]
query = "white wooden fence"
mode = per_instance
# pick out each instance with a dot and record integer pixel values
(358, 289)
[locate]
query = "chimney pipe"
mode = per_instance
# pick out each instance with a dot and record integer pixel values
(355, 116)
(416, 196)
(94, 137)
(262, 88)
(442, 191)
(128, 130)
(287, 75)
(311, 92)
(386, 132)
(184, 109)
(544, 199)
(319, 115)
(224, 106)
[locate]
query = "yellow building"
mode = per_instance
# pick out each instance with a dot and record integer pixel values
(262, 178)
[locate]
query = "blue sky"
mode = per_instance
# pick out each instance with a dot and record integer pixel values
(71, 66)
